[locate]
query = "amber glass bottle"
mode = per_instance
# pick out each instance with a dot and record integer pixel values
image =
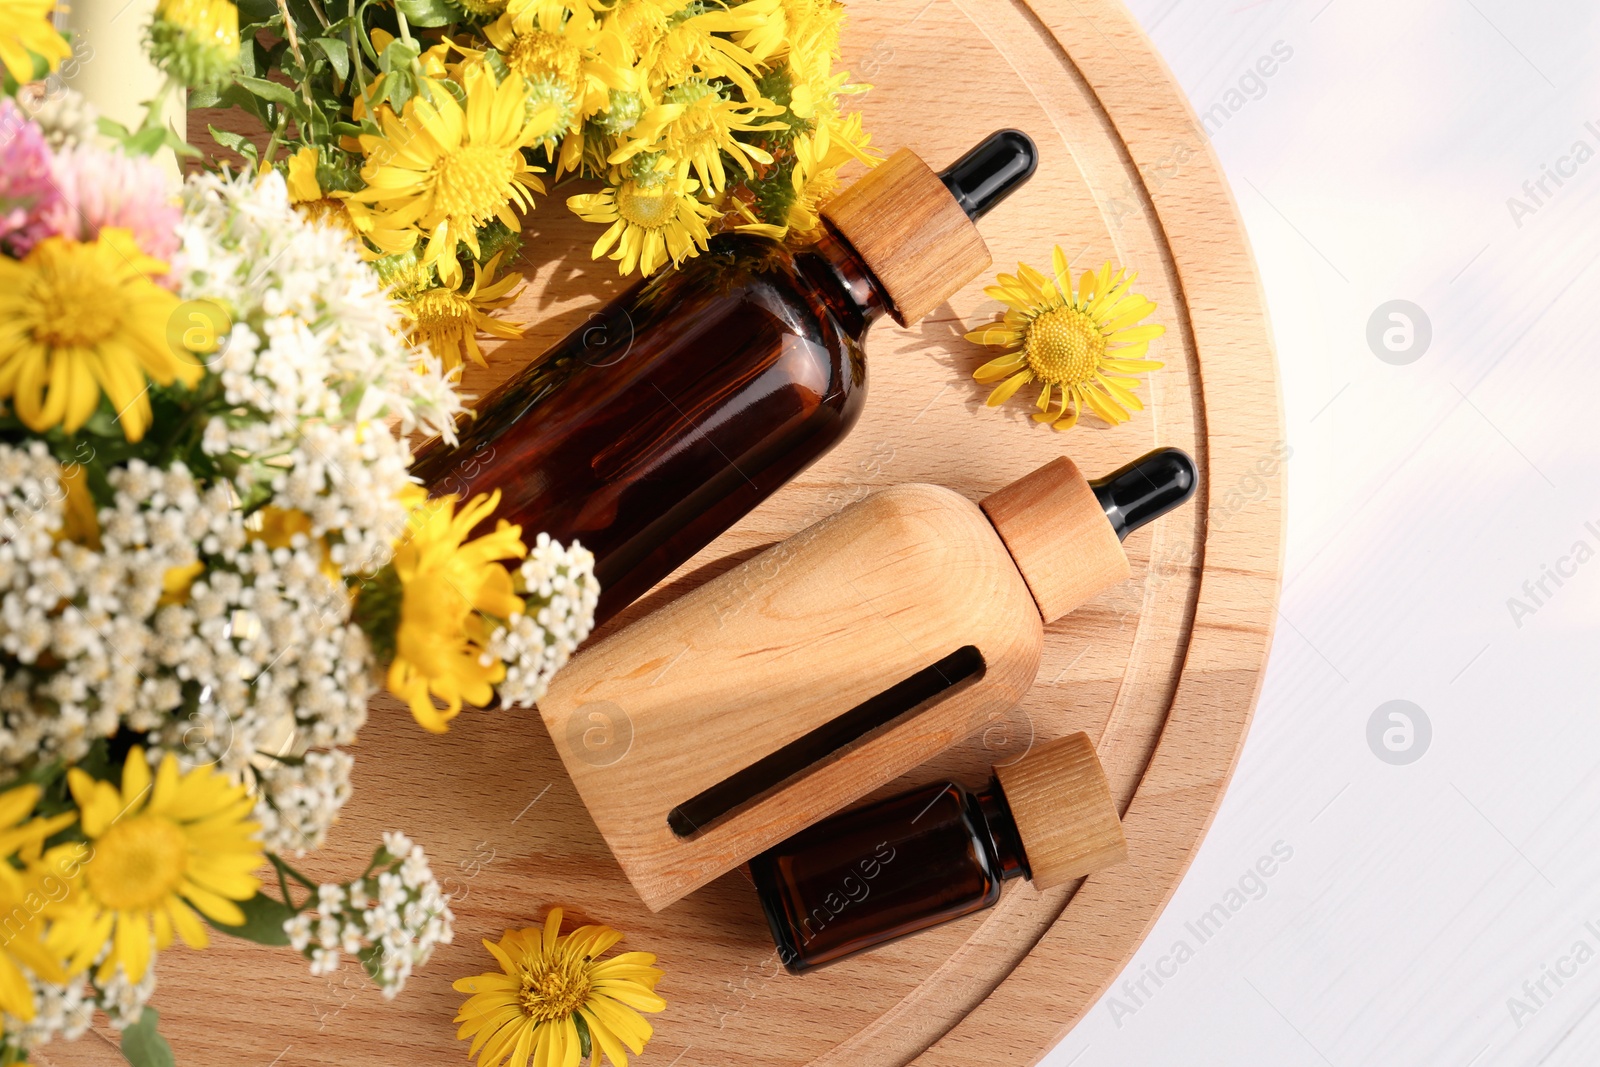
(690, 398)
(879, 872)
(677, 409)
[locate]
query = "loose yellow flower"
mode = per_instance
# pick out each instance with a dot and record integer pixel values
(1079, 345)
(22, 902)
(695, 127)
(163, 849)
(443, 170)
(650, 225)
(451, 590)
(81, 318)
(527, 1012)
(26, 31)
(449, 320)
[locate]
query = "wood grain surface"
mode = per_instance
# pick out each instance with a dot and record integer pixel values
(1162, 670)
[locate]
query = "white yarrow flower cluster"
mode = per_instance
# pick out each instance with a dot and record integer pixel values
(65, 1011)
(255, 667)
(313, 365)
(58, 1012)
(390, 920)
(561, 592)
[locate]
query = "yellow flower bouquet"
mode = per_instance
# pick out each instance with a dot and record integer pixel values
(429, 127)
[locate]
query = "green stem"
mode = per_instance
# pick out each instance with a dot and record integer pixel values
(357, 65)
(284, 870)
(283, 887)
(271, 151)
(156, 104)
(291, 32)
(405, 27)
(366, 42)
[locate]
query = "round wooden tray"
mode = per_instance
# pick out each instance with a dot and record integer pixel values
(1163, 670)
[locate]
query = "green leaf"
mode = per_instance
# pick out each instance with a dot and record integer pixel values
(270, 90)
(112, 128)
(142, 1046)
(427, 12)
(210, 96)
(264, 917)
(146, 142)
(399, 55)
(338, 54)
(237, 142)
(254, 13)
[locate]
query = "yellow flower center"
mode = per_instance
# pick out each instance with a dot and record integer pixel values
(73, 302)
(554, 993)
(442, 309)
(329, 212)
(651, 209)
(538, 52)
(470, 182)
(138, 863)
(1063, 346)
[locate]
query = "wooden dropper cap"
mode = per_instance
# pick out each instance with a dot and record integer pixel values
(915, 229)
(1065, 532)
(1061, 804)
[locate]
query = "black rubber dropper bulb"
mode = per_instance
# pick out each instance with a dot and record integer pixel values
(989, 173)
(1146, 489)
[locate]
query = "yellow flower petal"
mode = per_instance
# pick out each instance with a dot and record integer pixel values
(1005, 389)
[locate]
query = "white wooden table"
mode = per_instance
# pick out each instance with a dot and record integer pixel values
(1434, 890)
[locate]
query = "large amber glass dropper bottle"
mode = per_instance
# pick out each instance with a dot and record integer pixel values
(691, 397)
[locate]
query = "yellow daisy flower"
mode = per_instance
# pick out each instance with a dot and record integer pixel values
(21, 896)
(449, 320)
(818, 155)
(195, 41)
(540, 9)
(302, 176)
(26, 31)
(443, 170)
(805, 32)
(649, 225)
(695, 126)
(309, 199)
(163, 849)
(528, 1011)
(451, 590)
(573, 58)
(1079, 345)
(678, 39)
(81, 318)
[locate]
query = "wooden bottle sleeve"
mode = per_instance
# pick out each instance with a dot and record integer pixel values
(777, 648)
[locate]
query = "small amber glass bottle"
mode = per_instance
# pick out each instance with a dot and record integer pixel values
(891, 868)
(686, 401)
